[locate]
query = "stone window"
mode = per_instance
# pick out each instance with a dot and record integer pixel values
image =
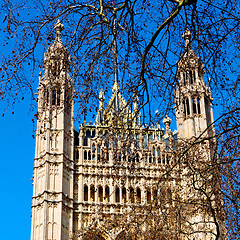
(85, 155)
(56, 96)
(124, 195)
(106, 194)
(137, 157)
(93, 148)
(92, 193)
(89, 155)
(146, 158)
(132, 198)
(100, 194)
(154, 152)
(117, 195)
(85, 193)
(138, 195)
(149, 197)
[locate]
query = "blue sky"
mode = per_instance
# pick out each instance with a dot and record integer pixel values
(17, 156)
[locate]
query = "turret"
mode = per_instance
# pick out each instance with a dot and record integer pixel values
(193, 99)
(53, 166)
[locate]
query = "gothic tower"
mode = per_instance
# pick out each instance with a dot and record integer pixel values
(52, 205)
(194, 118)
(192, 97)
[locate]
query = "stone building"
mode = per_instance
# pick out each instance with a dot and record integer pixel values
(111, 179)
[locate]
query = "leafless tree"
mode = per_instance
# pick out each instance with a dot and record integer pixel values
(149, 45)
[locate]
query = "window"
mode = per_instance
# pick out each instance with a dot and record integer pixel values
(132, 200)
(100, 194)
(85, 155)
(107, 194)
(89, 155)
(154, 151)
(93, 147)
(56, 96)
(194, 105)
(138, 195)
(92, 193)
(117, 196)
(137, 157)
(149, 196)
(76, 154)
(124, 195)
(85, 193)
(198, 106)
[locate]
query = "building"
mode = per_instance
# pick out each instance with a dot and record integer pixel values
(116, 179)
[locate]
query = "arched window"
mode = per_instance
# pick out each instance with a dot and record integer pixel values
(76, 154)
(138, 195)
(92, 193)
(163, 159)
(184, 78)
(89, 155)
(85, 155)
(154, 151)
(133, 158)
(56, 96)
(45, 97)
(132, 198)
(117, 195)
(187, 107)
(169, 195)
(150, 159)
(85, 198)
(184, 108)
(137, 157)
(100, 194)
(98, 149)
(106, 194)
(93, 148)
(146, 158)
(119, 157)
(93, 157)
(158, 152)
(124, 195)
(191, 77)
(149, 197)
(155, 195)
(198, 106)
(194, 105)
(167, 159)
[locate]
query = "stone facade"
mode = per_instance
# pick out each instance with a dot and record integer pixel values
(101, 181)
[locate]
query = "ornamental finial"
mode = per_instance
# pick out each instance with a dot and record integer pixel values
(58, 28)
(187, 36)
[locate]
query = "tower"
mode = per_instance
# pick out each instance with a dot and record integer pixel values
(52, 202)
(192, 97)
(199, 169)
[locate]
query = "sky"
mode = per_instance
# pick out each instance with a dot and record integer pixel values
(17, 158)
(17, 147)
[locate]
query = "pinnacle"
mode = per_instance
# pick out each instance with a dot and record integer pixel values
(187, 36)
(58, 28)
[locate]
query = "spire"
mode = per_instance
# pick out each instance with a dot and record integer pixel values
(57, 58)
(115, 51)
(187, 36)
(101, 99)
(58, 28)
